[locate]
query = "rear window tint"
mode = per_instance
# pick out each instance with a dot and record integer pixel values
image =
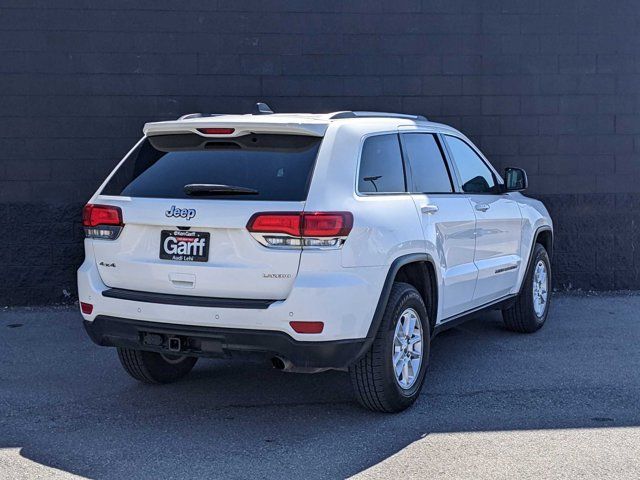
(279, 167)
(429, 172)
(381, 169)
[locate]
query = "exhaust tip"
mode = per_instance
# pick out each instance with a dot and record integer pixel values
(277, 363)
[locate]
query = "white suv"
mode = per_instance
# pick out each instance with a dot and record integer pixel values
(318, 241)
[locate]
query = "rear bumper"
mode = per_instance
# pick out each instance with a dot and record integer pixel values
(343, 299)
(223, 342)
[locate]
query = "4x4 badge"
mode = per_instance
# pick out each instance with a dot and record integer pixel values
(187, 213)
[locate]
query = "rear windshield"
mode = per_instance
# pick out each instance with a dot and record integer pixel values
(255, 166)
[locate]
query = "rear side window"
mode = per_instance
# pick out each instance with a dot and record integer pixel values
(429, 172)
(381, 169)
(261, 166)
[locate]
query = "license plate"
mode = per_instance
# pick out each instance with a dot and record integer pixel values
(184, 246)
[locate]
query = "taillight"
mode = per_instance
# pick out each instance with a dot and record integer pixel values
(102, 221)
(286, 222)
(327, 224)
(301, 229)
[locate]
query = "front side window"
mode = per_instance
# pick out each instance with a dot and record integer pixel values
(428, 170)
(475, 176)
(381, 169)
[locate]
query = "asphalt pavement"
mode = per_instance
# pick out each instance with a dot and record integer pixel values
(561, 403)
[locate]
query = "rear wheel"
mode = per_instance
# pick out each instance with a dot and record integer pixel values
(151, 367)
(390, 376)
(531, 307)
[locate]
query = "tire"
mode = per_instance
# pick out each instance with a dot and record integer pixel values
(153, 368)
(373, 377)
(522, 316)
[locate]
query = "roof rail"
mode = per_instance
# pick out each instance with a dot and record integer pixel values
(259, 109)
(376, 115)
(190, 115)
(200, 115)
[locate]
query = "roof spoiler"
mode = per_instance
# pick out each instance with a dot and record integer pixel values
(239, 127)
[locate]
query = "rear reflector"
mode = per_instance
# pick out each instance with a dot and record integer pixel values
(302, 224)
(307, 327)
(86, 308)
(217, 131)
(94, 215)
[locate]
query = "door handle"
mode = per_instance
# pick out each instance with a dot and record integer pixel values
(482, 207)
(429, 209)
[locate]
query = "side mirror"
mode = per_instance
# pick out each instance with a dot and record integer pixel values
(515, 179)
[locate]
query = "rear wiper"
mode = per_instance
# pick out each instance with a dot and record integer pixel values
(206, 189)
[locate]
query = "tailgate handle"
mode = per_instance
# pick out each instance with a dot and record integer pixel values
(183, 280)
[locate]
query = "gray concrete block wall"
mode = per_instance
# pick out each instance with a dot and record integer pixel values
(550, 86)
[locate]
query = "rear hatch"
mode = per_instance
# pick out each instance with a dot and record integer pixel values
(186, 198)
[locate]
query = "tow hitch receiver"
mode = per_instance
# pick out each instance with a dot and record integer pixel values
(175, 344)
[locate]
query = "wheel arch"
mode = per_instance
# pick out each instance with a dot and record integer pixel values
(544, 236)
(417, 269)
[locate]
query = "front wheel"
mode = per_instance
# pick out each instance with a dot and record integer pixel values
(531, 307)
(390, 376)
(151, 367)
